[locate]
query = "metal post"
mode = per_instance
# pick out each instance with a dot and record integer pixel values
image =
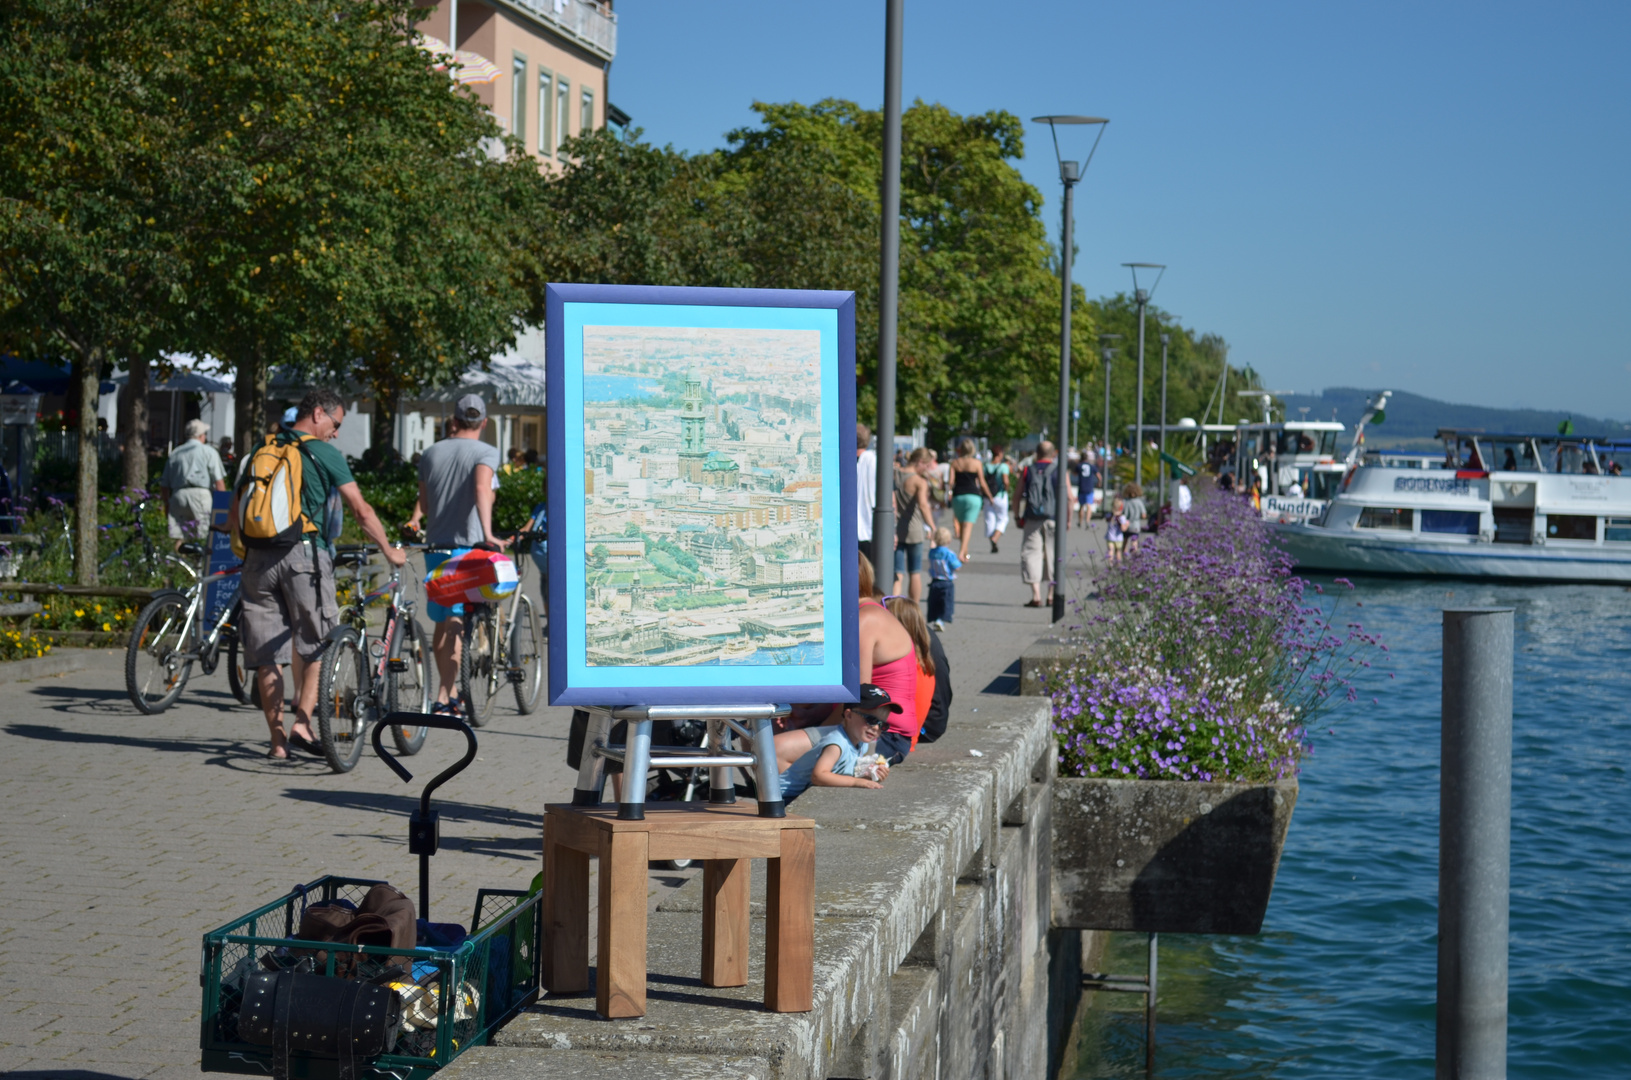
(1149, 1006)
(769, 781)
(1475, 843)
(1161, 462)
(1106, 353)
(1061, 502)
(883, 513)
(721, 780)
(1143, 298)
(636, 763)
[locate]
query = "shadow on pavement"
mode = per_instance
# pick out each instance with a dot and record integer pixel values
(65, 1074)
(402, 805)
(1006, 683)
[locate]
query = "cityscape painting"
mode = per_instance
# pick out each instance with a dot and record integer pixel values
(698, 553)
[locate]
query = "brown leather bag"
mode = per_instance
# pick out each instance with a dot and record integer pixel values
(384, 918)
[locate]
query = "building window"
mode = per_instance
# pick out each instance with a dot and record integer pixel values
(1458, 522)
(586, 122)
(563, 113)
(1571, 527)
(546, 132)
(1386, 517)
(1617, 530)
(518, 102)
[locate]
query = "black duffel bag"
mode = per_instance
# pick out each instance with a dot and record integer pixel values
(312, 1014)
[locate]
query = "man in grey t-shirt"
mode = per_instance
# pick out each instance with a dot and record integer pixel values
(457, 479)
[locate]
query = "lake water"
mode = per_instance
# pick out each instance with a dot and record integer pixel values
(617, 387)
(1342, 980)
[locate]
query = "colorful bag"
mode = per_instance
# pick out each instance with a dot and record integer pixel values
(471, 577)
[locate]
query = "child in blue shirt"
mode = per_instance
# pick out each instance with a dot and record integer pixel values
(943, 567)
(832, 760)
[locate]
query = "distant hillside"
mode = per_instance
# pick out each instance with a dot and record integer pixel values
(1412, 419)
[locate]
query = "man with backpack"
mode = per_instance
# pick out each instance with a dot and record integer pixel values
(1040, 484)
(286, 512)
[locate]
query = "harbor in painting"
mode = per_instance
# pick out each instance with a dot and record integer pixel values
(702, 487)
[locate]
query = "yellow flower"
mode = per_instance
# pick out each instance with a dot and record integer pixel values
(79, 614)
(105, 626)
(99, 609)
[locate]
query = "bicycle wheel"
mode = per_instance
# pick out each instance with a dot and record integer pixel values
(478, 664)
(156, 662)
(526, 655)
(342, 701)
(408, 691)
(240, 679)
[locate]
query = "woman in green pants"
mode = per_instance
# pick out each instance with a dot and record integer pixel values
(968, 493)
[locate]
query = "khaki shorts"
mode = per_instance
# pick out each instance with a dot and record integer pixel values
(286, 600)
(193, 505)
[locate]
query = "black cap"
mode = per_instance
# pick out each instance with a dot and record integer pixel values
(875, 697)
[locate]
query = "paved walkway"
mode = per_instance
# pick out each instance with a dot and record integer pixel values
(126, 837)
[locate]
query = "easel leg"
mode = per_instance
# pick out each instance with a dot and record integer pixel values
(631, 806)
(725, 922)
(592, 770)
(620, 983)
(721, 779)
(790, 924)
(766, 775)
(566, 914)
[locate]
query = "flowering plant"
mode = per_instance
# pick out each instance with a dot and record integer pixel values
(1202, 656)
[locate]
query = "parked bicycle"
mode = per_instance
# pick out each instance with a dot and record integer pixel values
(503, 643)
(172, 569)
(365, 675)
(170, 636)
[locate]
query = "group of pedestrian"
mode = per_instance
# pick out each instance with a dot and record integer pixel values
(287, 583)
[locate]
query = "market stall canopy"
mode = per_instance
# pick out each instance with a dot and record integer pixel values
(466, 67)
(512, 380)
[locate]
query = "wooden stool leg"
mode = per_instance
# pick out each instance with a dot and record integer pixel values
(566, 914)
(725, 922)
(620, 982)
(790, 924)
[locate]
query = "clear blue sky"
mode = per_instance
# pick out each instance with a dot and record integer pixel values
(1423, 197)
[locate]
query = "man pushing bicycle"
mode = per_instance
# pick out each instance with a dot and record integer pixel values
(286, 512)
(457, 481)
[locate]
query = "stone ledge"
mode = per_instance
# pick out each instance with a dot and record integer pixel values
(516, 1063)
(1038, 663)
(58, 661)
(888, 867)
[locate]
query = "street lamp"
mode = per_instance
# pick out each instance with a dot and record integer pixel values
(1106, 354)
(1069, 174)
(1161, 464)
(1142, 296)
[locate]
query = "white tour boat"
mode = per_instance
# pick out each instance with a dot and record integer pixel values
(1506, 507)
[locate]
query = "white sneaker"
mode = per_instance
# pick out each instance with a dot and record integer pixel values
(938, 625)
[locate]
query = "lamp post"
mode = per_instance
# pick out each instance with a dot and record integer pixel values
(883, 512)
(1161, 463)
(1106, 354)
(1069, 174)
(1142, 297)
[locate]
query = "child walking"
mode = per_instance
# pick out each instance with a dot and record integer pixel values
(1116, 535)
(943, 567)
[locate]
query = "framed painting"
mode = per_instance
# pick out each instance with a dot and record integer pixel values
(702, 496)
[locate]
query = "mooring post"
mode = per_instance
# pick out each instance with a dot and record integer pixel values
(1149, 1006)
(1474, 843)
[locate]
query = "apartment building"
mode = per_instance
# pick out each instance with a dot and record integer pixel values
(553, 55)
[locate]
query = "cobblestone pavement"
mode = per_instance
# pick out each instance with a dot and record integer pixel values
(126, 837)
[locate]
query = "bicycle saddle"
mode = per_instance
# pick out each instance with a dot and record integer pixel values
(190, 548)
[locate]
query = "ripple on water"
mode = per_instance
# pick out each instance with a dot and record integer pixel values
(1341, 982)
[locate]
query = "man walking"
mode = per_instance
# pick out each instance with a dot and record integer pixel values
(191, 476)
(1040, 483)
(1084, 491)
(289, 605)
(457, 481)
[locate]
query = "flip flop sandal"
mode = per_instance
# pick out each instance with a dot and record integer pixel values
(305, 745)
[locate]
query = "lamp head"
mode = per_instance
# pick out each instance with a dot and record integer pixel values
(1143, 295)
(1069, 171)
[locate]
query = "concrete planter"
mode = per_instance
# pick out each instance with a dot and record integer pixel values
(1166, 855)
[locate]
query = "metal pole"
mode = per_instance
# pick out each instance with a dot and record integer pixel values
(1106, 354)
(883, 513)
(1149, 1007)
(1076, 417)
(1061, 501)
(1474, 843)
(1161, 462)
(1138, 448)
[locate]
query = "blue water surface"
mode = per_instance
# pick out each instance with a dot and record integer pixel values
(1342, 980)
(618, 387)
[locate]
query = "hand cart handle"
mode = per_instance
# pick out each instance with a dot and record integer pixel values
(424, 830)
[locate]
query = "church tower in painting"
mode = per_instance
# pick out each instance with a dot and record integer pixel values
(693, 454)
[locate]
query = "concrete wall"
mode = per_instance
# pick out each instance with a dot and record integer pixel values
(934, 954)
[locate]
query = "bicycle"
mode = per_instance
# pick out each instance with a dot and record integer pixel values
(503, 642)
(364, 677)
(154, 561)
(169, 637)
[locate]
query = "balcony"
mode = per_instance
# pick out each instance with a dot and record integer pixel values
(583, 21)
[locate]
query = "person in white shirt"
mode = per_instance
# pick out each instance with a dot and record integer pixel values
(1185, 498)
(866, 488)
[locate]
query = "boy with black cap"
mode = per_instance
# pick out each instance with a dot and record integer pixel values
(832, 760)
(457, 479)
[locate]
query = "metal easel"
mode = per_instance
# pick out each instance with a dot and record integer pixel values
(752, 723)
(1132, 984)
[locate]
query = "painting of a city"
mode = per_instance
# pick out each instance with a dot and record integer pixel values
(702, 492)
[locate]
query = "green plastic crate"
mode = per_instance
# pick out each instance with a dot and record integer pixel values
(481, 984)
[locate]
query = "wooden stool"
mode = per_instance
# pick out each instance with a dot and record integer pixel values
(725, 838)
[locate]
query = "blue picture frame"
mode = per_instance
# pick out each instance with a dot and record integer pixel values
(613, 643)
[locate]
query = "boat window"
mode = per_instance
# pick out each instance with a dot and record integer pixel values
(1570, 527)
(1383, 517)
(1460, 522)
(1328, 443)
(1617, 530)
(1323, 485)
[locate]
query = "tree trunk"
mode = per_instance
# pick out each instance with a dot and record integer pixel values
(133, 424)
(249, 401)
(87, 377)
(384, 428)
